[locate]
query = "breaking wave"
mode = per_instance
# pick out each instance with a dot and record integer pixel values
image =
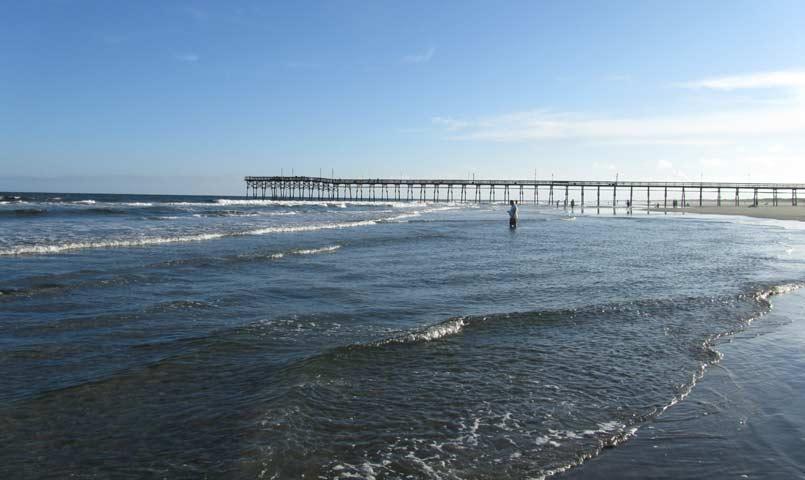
(148, 241)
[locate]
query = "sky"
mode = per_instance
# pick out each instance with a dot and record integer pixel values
(190, 96)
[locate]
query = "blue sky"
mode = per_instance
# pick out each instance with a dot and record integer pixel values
(192, 95)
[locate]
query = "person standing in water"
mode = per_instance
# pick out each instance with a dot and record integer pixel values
(512, 214)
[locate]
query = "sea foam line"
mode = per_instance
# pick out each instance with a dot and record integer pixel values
(306, 251)
(428, 334)
(141, 242)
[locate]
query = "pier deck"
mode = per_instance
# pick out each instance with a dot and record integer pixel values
(554, 192)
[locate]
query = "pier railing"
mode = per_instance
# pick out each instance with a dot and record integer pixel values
(650, 195)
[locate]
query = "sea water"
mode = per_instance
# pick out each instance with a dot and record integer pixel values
(179, 337)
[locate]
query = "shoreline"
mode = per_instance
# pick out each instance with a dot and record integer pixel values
(738, 421)
(766, 212)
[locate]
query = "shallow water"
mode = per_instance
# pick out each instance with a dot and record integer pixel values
(180, 336)
(743, 420)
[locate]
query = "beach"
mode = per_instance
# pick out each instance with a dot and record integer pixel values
(744, 418)
(779, 212)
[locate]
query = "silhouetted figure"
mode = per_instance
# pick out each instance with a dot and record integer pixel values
(512, 214)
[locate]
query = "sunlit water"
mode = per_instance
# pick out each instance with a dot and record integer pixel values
(189, 336)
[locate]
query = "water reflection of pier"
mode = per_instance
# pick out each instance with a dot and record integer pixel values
(631, 195)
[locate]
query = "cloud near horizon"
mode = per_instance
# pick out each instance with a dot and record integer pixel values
(706, 128)
(794, 79)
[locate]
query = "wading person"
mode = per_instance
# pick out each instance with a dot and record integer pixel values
(512, 214)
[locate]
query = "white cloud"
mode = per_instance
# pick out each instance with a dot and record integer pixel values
(423, 57)
(780, 79)
(188, 57)
(693, 128)
(664, 165)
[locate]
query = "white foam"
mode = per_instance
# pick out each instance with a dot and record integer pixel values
(310, 203)
(778, 290)
(58, 248)
(313, 251)
(609, 426)
(434, 332)
(85, 202)
(146, 241)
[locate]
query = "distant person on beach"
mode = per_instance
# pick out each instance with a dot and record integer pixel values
(512, 214)
(572, 204)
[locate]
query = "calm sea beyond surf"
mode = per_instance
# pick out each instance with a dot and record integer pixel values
(193, 337)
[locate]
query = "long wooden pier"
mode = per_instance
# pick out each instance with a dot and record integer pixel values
(650, 195)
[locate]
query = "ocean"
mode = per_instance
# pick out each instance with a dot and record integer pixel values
(191, 337)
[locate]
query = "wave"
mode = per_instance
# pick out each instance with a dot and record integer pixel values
(586, 441)
(456, 325)
(28, 212)
(70, 282)
(320, 203)
(313, 251)
(764, 294)
(23, 212)
(298, 251)
(148, 241)
(226, 213)
(449, 327)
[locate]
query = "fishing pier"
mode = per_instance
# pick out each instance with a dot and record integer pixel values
(632, 195)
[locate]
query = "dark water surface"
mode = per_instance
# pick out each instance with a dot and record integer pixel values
(190, 336)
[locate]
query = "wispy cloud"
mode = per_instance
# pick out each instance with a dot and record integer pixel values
(700, 128)
(423, 57)
(690, 128)
(779, 79)
(188, 57)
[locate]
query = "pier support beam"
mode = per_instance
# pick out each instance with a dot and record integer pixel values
(598, 199)
(614, 198)
(631, 200)
(648, 200)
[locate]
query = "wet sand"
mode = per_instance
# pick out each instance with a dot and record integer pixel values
(745, 418)
(779, 212)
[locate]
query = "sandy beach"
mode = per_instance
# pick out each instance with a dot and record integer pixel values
(780, 212)
(741, 419)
